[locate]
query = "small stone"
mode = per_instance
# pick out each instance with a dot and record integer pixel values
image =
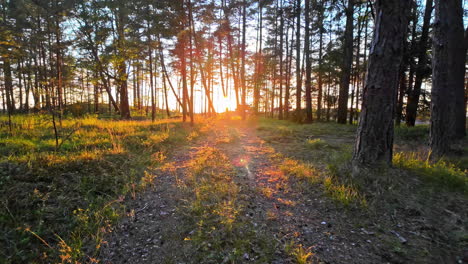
(323, 223)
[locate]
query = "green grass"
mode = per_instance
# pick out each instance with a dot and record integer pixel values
(316, 143)
(216, 211)
(416, 133)
(440, 173)
(58, 204)
(331, 144)
(289, 128)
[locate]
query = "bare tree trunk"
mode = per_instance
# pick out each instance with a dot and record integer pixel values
(461, 93)
(8, 89)
(150, 54)
(192, 73)
(448, 70)
(281, 50)
(346, 64)
(320, 62)
(413, 96)
(20, 84)
(374, 143)
(243, 51)
(308, 81)
(259, 60)
(122, 66)
(168, 112)
(288, 74)
(298, 61)
(60, 93)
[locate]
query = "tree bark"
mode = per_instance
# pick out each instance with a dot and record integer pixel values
(244, 85)
(298, 61)
(281, 63)
(374, 143)
(346, 64)
(413, 96)
(448, 70)
(320, 62)
(308, 81)
(122, 75)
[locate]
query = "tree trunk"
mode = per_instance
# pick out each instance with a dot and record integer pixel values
(413, 96)
(258, 61)
(192, 72)
(244, 85)
(320, 62)
(374, 143)
(122, 67)
(448, 70)
(288, 74)
(281, 64)
(308, 83)
(150, 55)
(346, 64)
(461, 93)
(298, 61)
(8, 88)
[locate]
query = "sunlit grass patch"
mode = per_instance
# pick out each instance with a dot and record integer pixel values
(286, 202)
(210, 177)
(300, 171)
(317, 144)
(267, 191)
(214, 208)
(441, 173)
(192, 135)
(299, 253)
(97, 162)
(346, 194)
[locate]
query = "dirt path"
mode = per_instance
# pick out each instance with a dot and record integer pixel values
(298, 220)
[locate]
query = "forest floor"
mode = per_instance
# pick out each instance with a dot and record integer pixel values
(267, 191)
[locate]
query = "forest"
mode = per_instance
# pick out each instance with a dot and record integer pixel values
(233, 131)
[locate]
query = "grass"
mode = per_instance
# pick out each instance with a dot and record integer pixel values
(331, 144)
(417, 133)
(57, 205)
(414, 192)
(216, 213)
(317, 144)
(440, 173)
(327, 165)
(299, 254)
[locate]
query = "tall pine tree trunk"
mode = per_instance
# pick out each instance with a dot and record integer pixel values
(281, 62)
(308, 80)
(346, 64)
(298, 61)
(448, 70)
(413, 96)
(243, 51)
(374, 143)
(122, 67)
(320, 62)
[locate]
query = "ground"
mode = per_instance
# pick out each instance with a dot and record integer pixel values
(103, 190)
(273, 192)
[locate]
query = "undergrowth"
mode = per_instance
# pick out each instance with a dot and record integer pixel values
(441, 173)
(56, 204)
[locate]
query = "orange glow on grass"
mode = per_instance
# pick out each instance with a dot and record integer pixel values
(242, 161)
